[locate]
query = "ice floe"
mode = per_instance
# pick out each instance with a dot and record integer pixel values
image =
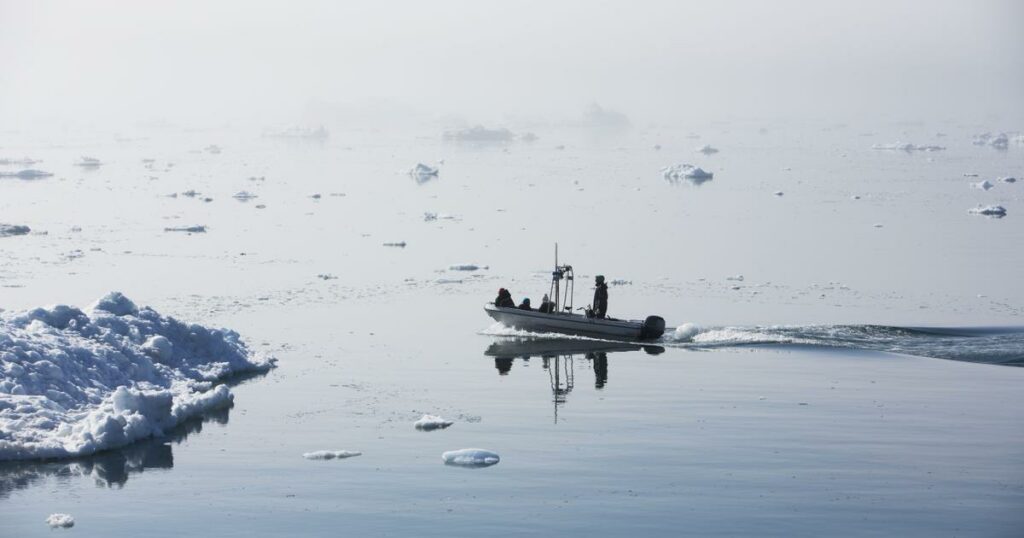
(999, 141)
(198, 229)
(423, 173)
(470, 457)
(74, 382)
(466, 267)
(244, 196)
(432, 422)
(24, 161)
(997, 211)
(60, 521)
(8, 230)
(331, 454)
(89, 162)
(689, 172)
(706, 149)
(27, 174)
(901, 146)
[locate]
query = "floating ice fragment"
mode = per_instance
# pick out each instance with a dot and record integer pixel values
(431, 422)
(89, 162)
(330, 454)
(399, 244)
(736, 278)
(688, 172)
(212, 148)
(1007, 180)
(8, 230)
(778, 193)
(996, 211)
(907, 147)
(244, 196)
(620, 282)
(26, 174)
(60, 521)
(198, 229)
(706, 149)
(466, 267)
(999, 141)
(24, 161)
(470, 457)
(983, 185)
(326, 276)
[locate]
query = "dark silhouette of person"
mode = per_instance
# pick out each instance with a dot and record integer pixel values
(546, 306)
(600, 297)
(504, 298)
(526, 304)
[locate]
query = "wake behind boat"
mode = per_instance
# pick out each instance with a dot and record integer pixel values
(557, 315)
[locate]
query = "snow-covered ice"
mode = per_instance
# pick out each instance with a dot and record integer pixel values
(988, 211)
(60, 521)
(432, 422)
(77, 382)
(470, 457)
(330, 454)
(689, 172)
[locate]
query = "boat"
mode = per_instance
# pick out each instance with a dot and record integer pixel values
(562, 319)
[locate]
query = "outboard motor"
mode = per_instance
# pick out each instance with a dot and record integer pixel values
(653, 327)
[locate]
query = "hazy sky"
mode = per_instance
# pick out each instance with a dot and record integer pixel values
(204, 61)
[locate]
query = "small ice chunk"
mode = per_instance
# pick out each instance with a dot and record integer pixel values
(244, 196)
(778, 193)
(620, 282)
(1007, 180)
(430, 422)
(330, 454)
(997, 211)
(470, 457)
(983, 185)
(26, 174)
(706, 149)
(198, 229)
(907, 147)
(466, 267)
(159, 347)
(326, 276)
(736, 278)
(89, 162)
(423, 170)
(685, 171)
(400, 244)
(212, 148)
(8, 230)
(60, 521)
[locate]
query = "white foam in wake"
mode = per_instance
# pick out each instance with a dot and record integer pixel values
(75, 382)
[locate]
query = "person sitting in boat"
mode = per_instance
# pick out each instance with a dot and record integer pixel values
(546, 306)
(600, 297)
(525, 304)
(504, 299)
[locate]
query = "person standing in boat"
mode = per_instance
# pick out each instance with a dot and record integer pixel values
(504, 299)
(600, 297)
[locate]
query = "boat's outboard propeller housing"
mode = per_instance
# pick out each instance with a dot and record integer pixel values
(653, 327)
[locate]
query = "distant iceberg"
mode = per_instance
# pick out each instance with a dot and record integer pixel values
(8, 230)
(330, 454)
(423, 173)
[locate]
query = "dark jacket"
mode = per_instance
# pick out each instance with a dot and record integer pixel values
(525, 306)
(504, 299)
(600, 300)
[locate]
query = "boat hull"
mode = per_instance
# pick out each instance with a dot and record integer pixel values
(566, 323)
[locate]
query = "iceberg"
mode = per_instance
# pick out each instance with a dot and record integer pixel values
(75, 382)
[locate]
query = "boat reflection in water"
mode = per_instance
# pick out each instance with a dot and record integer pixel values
(557, 358)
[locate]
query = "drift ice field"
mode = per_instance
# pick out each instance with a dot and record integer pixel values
(245, 252)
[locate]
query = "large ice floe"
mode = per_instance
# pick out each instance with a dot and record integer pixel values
(470, 457)
(76, 382)
(689, 172)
